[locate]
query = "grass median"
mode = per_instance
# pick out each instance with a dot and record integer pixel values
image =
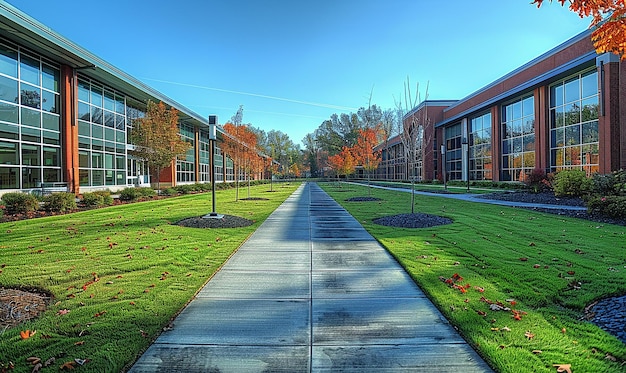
(514, 282)
(117, 275)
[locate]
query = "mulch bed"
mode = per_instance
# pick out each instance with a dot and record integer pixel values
(228, 221)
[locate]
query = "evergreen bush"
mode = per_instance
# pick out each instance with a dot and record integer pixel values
(571, 183)
(19, 203)
(59, 202)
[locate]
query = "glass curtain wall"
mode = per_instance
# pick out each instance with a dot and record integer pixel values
(481, 167)
(101, 135)
(185, 169)
(574, 123)
(518, 138)
(454, 162)
(30, 132)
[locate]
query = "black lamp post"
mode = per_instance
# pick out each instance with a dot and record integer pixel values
(212, 138)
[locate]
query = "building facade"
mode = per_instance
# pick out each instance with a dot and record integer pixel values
(562, 110)
(65, 116)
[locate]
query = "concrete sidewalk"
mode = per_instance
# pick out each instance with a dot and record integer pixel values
(310, 291)
(469, 197)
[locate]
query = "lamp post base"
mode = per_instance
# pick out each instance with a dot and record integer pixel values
(213, 215)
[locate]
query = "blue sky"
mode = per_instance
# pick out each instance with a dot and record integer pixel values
(292, 64)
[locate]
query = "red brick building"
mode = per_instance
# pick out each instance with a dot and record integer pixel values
(562, 110)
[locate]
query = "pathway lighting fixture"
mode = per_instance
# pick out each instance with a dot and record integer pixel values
(212, 138)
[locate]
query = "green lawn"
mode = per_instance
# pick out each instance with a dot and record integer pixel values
(545, 268)
(146, 268)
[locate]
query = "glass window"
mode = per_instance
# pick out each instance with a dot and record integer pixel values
(8, 153)
(51, 175)
(518, 139)
(120, 162)
(109, 100)
(109, 119)
(8, 113)
(51, 156)
(9, 177)
(31, 177)
(96, 95)
(50, 78)
(83, 91)
(84, 112)
(108, 161)
(8, 61)
(8, 89)
(51, 122)
(97, 160)
(50, 102)
(97, 177)
(590, 84)
(575, 132)
(31, 134)
(96, 114)
(97, 131)
(51, 138)
(30, 96)
(9, 131)
(83, 177)
(31, 117)
(31, 155)
(29, 69)
(83, 159)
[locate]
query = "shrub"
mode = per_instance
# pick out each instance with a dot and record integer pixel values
(185, 188)
(129, 194)
(613, 184)
(19, 203)
(106, 197)
(92, 200)
(571, 183)
(59, 202)
(611, 206)
(169, 192)
(146, 192)
(537, 180)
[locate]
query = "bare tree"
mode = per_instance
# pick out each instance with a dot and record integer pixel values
(413, 132)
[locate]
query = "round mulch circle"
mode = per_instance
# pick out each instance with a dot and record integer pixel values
(20, 306)
(362, 199)
(417, 220)
(228, 221)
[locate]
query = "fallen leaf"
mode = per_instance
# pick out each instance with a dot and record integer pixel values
(25, 334)
(563, 330)
(506, 329)
(537, 352)
(79, 343)
(529, 335)
(49, 362)
(81, 361)
(610, 357)
(68, 365)
(532, 244)
(34, 360)
(64, 311)
(37, 368)
(563, 368)
(523, 259)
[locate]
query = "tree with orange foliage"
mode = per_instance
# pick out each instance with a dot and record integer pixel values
(157, 138)
(240, 146)
(343, 163)
(610, 33)
(363, 150)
